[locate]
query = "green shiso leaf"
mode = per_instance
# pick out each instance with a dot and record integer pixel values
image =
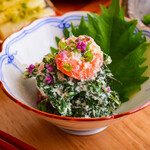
(53, 50)
(67, 67)
(57, 40)
(66, 33)
(88, 56)
(116, 38)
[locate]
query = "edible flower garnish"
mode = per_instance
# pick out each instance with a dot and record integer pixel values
(48, 79)
(31, 68)
(108, 89)
(82, 46)
(49, 68)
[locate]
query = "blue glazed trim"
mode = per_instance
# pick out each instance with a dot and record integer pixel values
(2, 58)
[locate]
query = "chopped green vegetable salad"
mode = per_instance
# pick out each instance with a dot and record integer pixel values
(67, 96)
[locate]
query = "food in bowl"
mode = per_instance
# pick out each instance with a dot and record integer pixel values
(75, 80)
(117, 37)
(15, 14)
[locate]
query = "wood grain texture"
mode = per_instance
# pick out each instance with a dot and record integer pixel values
(131, 133)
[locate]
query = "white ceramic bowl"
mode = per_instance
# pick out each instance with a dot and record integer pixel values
(28, 46)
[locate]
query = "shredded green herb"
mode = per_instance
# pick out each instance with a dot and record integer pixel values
(88, 56)
(67, 67)
(76, 98)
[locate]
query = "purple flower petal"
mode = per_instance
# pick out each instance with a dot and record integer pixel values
(108, 89)
(82, 46)
(49, 68)
(48, 79)
(88, 38)
(31, 68)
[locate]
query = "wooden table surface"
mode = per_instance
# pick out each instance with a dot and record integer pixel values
(132, 133)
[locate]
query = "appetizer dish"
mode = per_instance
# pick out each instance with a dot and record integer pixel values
(82, 71)
(75, 80)
(14, 14)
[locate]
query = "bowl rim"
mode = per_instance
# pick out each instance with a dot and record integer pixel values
(53, 116)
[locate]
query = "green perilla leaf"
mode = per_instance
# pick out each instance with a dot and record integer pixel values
(116, 38)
